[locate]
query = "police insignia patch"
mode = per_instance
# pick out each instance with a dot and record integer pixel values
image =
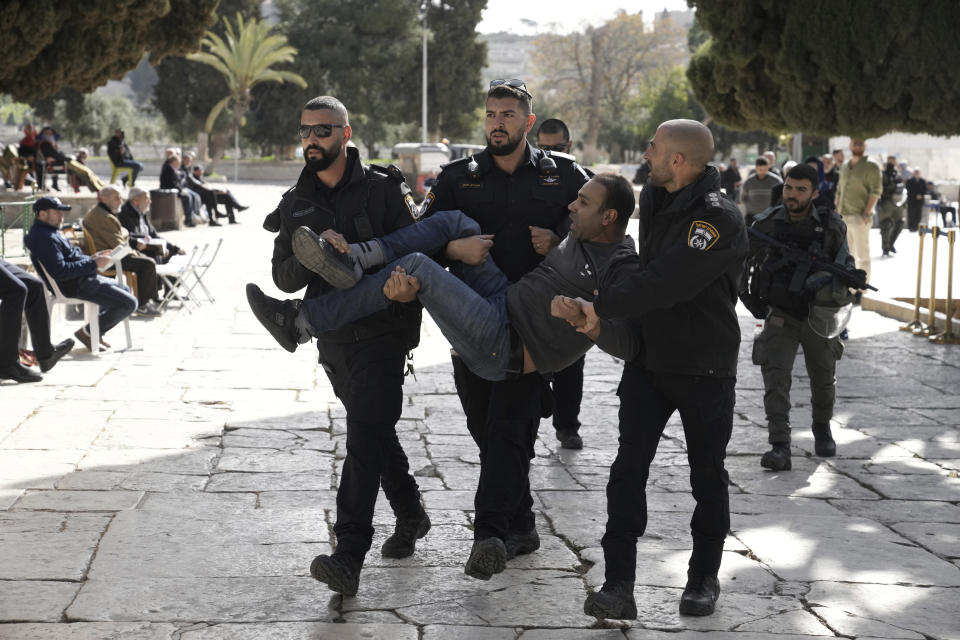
(425, 205)
(702, 235)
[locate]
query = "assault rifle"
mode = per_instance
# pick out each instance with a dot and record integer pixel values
(809, 262)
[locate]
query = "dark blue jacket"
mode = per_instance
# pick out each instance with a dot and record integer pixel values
(65, 263)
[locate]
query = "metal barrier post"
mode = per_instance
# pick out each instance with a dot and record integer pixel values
(915, 324)
(948, 336)
(931, 326)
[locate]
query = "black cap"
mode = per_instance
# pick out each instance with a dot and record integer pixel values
(50, 202)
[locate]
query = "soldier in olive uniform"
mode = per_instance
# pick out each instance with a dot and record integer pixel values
(782, 292)
(889, 211)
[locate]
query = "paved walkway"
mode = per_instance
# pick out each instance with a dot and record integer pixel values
(180, 490)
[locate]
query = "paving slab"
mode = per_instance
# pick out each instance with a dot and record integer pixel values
(887, 611)
(48, 546)
(851, 549)
(35, 600)
(89, 631)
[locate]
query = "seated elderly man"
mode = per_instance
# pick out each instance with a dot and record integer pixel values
(133, 217)
(172, 178)
(222, 196)
(75, 272)
(104, 227)
(22, 294)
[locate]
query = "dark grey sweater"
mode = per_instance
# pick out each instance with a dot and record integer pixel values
(573, 269)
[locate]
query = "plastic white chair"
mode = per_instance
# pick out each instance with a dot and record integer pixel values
(174, 276)
(201, 266)
(91, 310)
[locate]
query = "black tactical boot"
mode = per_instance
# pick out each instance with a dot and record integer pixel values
(823, 443)
(340, 572)
(406, 532)
(614, 601)
(277, 316)
(487, 557)
(519, 544)
(700, 595)
(778, 458)
(569, 439)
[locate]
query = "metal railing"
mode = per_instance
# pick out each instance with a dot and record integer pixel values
(24, 218)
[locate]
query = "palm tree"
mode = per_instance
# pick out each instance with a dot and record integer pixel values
(245, 57)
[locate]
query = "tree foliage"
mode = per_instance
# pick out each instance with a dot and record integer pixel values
(47, 45)
(830, 68)
(593, 76)
(455, 90)
(368, 54)
(245, 56)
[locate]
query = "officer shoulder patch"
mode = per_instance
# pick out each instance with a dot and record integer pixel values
(702, 235)
(713, 200)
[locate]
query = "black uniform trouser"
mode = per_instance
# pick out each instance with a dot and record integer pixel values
(22, 293)
(567, 395)
(914, 213)
(146, 270)
(367, 376)
(647, 400)
(503, 418)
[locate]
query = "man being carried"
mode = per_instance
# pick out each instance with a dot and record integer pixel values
(501, 330)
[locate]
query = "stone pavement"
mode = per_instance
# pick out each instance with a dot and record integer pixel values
(180, 490)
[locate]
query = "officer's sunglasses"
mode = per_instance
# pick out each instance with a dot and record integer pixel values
(319, 130)
(562, 147)
(515, 83)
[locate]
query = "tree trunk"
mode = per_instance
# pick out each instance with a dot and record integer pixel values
(593, 109)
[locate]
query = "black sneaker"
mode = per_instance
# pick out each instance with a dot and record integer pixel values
(520, 544)
(406, 532)
(777, 459)
(319, 256)
(20, 373)
(823, 442)
(614, 601)
(277, 316)
(59, 351)
(487, 557)
(700, 595)
(569, 440)
(339, 572)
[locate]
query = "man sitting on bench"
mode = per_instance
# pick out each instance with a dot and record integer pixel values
(501, 330)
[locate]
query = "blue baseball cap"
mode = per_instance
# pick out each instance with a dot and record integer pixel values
(49, 202)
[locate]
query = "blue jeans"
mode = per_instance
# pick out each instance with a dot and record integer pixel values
(116, 302)
(131, 164)
(468, 303)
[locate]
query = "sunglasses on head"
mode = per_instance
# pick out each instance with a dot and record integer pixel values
(319, 130)
(562, 147)
(515, 83)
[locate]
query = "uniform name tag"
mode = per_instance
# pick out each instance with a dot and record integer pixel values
(470, 185)
(702, 235)
(302, 212)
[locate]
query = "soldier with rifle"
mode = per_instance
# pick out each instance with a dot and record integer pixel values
(798, 278)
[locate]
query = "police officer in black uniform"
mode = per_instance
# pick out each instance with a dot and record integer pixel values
(519, 196)
(683, 289)
(567, 385)
(337, 196)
